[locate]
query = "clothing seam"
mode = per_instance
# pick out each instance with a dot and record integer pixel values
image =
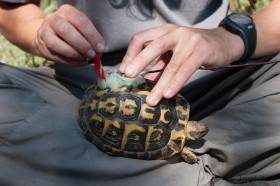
(23, 120)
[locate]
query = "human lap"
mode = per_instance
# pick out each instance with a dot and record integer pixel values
(41, 142)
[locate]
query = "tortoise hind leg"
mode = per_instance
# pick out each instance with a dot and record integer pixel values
(188, 156)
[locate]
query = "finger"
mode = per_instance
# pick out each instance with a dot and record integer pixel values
(69, 61)
(183, 75)
(149, 54)
(140, 41)
(59, 46)
(180, 55)
(53, 56)
(72, 37)
(167, 86)
(157, 92)
(135, 47)
(160, 64)
(84, 25)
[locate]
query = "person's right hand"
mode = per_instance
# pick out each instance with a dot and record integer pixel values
(68, 36)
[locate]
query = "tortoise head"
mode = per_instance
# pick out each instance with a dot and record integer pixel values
(114, 79)
(196, 130)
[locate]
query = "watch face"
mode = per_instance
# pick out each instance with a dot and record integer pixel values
(240, 18)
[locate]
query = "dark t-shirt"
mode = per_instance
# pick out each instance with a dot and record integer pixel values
(117, 21)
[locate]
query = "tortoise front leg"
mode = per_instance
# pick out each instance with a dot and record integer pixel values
(188, 155)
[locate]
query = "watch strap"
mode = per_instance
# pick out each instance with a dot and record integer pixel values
(247, 32)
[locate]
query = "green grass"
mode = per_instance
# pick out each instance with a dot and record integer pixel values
(10, 54)
(248, 6)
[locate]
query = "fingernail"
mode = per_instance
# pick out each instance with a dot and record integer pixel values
(167, 93)
(91, 54)
(130, 70)
(122, 67)
(100, 47)
(152, 99)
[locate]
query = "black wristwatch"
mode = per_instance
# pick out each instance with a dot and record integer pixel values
(244, 26)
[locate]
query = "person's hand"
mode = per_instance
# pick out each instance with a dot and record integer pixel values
(181, 51)
(68, 36)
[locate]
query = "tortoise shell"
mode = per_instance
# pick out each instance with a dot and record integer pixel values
(120, 123)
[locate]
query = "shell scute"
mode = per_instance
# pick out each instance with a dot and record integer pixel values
(108, 105)
(148, 114)
(129, 107)
(157, 137)
(120, 122)
(134, 138)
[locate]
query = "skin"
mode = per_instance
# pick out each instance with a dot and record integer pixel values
(68, 36)
(182, 50)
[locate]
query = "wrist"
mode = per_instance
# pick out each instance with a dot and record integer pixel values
(242, 25)
(23, 30)
(34, 49)
(234, 44)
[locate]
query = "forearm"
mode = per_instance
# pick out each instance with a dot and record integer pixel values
(268, 29)
(20, 23)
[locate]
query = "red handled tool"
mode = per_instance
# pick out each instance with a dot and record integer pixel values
(98, 66)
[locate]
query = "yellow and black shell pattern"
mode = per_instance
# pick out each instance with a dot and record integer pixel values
(120, 123)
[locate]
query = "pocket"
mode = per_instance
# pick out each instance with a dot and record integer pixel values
(17, 104)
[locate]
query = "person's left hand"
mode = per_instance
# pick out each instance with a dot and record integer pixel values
(181, 51)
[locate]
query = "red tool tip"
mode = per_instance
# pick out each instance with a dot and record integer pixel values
(98, 66)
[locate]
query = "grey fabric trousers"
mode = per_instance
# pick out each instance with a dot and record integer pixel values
(42, 144)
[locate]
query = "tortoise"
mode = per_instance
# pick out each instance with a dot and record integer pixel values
(114, 116)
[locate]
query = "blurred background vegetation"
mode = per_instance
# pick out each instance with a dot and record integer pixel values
(248, 6)
(10, 54)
